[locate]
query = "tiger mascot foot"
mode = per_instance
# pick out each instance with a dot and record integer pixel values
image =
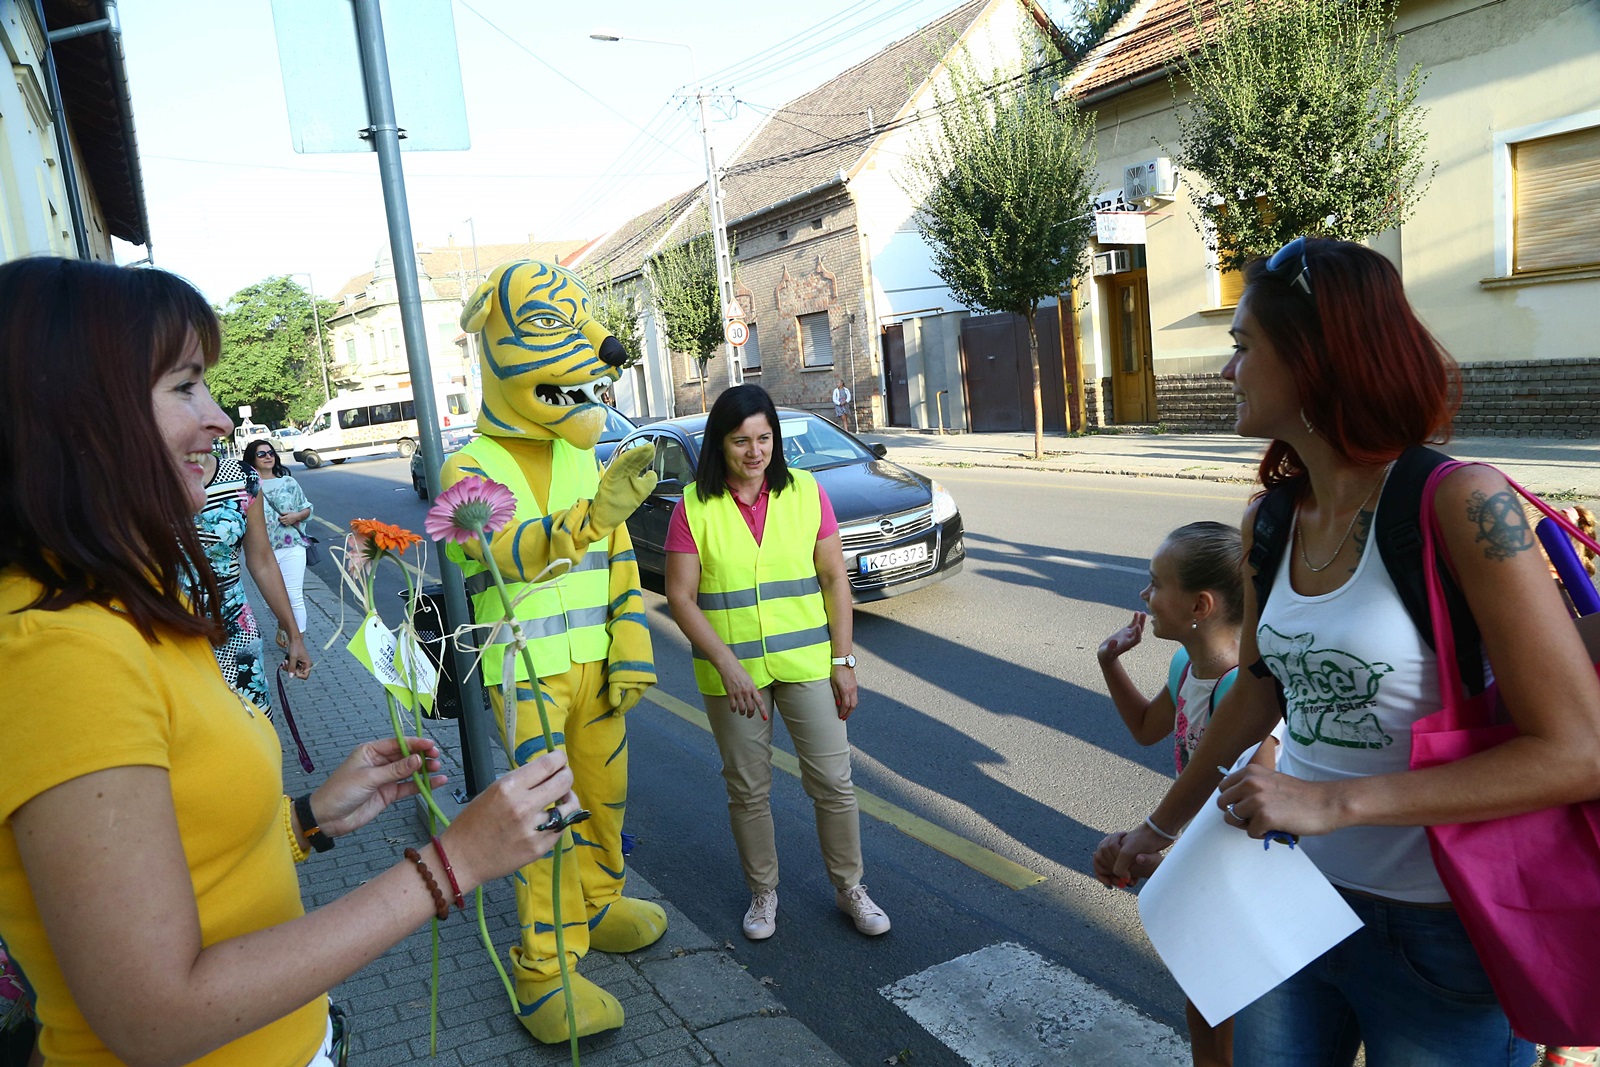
(543, 1012)
(627, 925)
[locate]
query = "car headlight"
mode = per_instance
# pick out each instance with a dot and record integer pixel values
(944, 505)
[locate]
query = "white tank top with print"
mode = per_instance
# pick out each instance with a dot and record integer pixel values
(1357, 674)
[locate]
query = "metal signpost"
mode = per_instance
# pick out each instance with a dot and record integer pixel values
(304, 30)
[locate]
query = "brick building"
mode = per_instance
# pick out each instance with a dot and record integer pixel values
(828, 258)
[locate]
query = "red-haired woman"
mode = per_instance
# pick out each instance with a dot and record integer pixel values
(1331, 364)
(147, 880)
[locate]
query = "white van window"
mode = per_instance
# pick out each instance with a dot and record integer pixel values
(321, 422)
(350, 418)
(385, 413)
(456, 403)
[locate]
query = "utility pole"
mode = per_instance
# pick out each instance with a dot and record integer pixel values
(719, 225)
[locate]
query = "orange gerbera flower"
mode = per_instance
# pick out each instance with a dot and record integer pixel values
(383, 536)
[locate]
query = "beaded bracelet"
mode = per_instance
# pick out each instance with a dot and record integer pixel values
(450, 873)
(441, 906)
(295, 851)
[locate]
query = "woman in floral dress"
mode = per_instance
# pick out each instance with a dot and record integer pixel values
(233, 519)
(287, 513)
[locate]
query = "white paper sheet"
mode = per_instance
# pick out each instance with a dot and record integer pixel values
(1232, 920)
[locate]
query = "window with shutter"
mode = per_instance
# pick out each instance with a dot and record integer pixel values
(816, 340)
(1556, 201)
(750, 354)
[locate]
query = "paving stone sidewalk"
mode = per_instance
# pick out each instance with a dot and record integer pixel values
(687, 998)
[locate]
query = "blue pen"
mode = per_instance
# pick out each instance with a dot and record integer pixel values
(1278, 835)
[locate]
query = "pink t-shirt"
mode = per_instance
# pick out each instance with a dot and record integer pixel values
(681, 539)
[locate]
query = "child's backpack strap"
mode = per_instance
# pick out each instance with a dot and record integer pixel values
(1399, 539)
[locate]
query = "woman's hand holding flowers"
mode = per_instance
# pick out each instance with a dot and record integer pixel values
(498, 832)
(374, 776)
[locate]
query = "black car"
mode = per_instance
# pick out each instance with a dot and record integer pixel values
(617, 427)
(900, 530)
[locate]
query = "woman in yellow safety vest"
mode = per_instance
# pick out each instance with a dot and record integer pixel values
(756, 581)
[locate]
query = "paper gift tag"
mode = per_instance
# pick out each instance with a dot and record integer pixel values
(416, 668)
(375, 646)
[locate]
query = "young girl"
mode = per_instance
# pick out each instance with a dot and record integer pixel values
(1196, 598)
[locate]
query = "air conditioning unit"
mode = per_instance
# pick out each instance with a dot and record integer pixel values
(1113, 262)
(1144, 183)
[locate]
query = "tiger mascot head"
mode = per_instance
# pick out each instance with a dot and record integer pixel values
(544, 357)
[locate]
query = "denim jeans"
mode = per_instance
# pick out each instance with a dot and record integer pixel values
(1408, 984)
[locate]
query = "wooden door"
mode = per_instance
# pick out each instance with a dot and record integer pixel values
(1133, 379)
(994, 375)
(894, 367)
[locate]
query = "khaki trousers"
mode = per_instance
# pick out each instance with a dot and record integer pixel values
(823, 747)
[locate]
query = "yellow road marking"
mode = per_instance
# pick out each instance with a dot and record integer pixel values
(991, 864)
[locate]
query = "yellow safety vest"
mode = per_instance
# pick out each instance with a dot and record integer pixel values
(564, 619)
(763, 600)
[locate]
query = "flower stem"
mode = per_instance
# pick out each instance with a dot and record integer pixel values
(549, 746)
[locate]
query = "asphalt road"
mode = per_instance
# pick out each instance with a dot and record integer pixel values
(983, 712)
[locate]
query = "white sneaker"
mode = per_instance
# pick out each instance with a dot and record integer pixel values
(762, 918)
(868, 917)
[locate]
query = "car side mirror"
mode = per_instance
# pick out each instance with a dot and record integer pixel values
(880, 450)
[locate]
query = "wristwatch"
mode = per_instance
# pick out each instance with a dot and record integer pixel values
(845, 661)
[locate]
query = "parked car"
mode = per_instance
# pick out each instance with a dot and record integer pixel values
(618, 426)
(451, 439)
(900, 530)
(283, 440)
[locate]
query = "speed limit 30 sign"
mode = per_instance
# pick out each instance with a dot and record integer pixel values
(738, 333)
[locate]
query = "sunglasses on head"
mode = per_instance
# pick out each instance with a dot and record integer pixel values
(1289, 263)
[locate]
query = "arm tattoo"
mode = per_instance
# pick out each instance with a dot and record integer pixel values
(1501, 523)
(1363, 529)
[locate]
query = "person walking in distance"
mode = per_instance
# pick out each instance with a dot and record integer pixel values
(841, 404)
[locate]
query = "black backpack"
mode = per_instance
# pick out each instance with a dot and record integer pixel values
(1399, 540)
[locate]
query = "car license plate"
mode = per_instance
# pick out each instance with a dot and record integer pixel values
(895, 557)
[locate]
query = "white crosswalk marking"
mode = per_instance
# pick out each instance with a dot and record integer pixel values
(1005, 1006)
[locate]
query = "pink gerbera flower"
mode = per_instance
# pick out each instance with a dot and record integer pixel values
(469, 509)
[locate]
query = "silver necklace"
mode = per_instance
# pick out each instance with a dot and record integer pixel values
(1300, 533)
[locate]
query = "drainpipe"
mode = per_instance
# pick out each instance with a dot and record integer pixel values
(58, 120)
(111, 24)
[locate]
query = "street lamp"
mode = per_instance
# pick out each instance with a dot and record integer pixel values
(719, 227)
(316, 319)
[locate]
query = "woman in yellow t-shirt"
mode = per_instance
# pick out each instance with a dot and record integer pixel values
(147, 885)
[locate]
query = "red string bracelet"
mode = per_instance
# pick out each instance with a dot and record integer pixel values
(450, 873)
(441, 906)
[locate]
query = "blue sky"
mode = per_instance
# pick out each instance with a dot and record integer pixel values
(570, 136)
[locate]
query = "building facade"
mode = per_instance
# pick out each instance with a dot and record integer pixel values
(69, 165)
(1501, 258)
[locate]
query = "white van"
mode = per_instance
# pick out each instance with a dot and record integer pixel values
(377, 422)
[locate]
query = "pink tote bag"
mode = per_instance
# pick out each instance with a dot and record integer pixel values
(1527, 887)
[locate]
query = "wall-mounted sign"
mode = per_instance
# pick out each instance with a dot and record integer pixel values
(1119, 228)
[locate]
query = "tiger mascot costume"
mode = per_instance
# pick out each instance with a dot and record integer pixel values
(544, 360)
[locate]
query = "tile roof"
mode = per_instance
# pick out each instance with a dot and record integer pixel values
(622, 252)
(1145, 41)
(449, 266)
(816, 135)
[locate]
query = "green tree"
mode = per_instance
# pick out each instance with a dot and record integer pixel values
(683, 290)
(616, 309)
(1006, 177)
(1298, 124)
(1086, 22)
(269, 352)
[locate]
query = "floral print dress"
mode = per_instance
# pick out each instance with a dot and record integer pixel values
(222, 525)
